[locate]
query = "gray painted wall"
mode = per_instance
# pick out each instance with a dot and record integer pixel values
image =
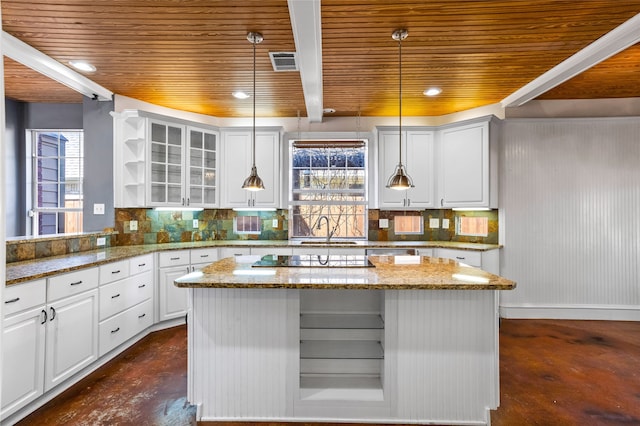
(94, 118)
(15, 169)
(98, 164)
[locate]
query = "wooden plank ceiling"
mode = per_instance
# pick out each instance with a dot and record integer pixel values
(190, 55)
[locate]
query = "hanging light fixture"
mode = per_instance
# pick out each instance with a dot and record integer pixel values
(253, 182)
(400, 179)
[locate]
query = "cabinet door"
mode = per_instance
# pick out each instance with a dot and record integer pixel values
(420, 166)
(202, 168)
(72, 336)
(173, 300)
(388, 159)
(268, 164)
(237, 166)
(418, 158)
(166, 174)
(23, 349)
(464, 171)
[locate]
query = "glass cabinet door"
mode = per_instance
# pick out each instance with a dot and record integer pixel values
(167, 143)
(202, 168)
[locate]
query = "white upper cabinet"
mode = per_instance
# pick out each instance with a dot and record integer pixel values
(418, 158)
(236, 162)
(163, 163)
(467, 170)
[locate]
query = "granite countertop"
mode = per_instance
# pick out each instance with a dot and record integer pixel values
(18, 272)
(424, 273)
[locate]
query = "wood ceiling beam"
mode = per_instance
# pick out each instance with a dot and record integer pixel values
(613, 42)
(38, 61)
(307, 33)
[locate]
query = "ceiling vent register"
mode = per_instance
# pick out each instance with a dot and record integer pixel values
(283, 61)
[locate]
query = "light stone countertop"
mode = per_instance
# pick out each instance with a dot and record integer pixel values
(389, 273)
(18, 272)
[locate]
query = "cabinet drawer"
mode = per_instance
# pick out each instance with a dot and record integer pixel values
(200, 256)
(173, 258)
(121, 295)
(120, 328)
(72, 283)
(19, 297)
(141, 264)
(471, 258)
(114, 271)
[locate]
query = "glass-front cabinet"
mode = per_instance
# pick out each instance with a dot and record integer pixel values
(164, 163)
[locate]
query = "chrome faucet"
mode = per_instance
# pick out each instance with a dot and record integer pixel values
(329, 233)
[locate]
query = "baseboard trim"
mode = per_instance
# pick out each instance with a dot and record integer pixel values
(572, 312)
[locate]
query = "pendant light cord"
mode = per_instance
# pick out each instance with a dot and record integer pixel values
(400, 99)
(253, 139)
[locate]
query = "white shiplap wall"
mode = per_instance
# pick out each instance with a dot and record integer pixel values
(239, 365)
(570, 217)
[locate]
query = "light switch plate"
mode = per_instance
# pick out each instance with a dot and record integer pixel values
(383, 223)
(445, 223)
(98, 209)
(195, 223)
(133, 225)
(274, 223)
(434, 223)
(100, 241)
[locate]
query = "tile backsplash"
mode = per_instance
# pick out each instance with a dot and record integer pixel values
(431, 234)
(157, 227)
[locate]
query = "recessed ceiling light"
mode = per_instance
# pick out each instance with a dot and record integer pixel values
(82, 66)
(240, 95)
(432, 91)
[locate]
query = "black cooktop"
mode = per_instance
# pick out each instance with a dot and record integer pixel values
(315, 261)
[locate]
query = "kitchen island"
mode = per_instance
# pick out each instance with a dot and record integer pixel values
(402, 339)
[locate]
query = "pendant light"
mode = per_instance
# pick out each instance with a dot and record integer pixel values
(253, 182)
(400, 180)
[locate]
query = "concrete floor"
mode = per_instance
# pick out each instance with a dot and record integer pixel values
(552, 373)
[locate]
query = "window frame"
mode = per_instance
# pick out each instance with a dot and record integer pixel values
(33, 209)
(325, 206)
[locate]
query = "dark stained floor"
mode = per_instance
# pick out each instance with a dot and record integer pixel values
(553, 373)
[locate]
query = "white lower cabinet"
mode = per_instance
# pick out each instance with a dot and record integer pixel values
(172, 299)
(486, 260)
(72, 336)
(126, 305)
(23, 353)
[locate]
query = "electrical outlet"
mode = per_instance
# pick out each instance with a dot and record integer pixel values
(98, 209)
(195, 223)
(133, 225)
(445, 223)
(274, 223)
(434, 223)
(100, 241)
(383, 223)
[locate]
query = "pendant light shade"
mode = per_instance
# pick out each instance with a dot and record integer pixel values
(253, 182)
(400, 179)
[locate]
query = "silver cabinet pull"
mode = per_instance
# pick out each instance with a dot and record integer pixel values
(12, 300)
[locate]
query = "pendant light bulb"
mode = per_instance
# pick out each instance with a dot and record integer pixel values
(400, 180)
(253, 182)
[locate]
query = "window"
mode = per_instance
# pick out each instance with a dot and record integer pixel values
(328, 178)
(57, 178)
